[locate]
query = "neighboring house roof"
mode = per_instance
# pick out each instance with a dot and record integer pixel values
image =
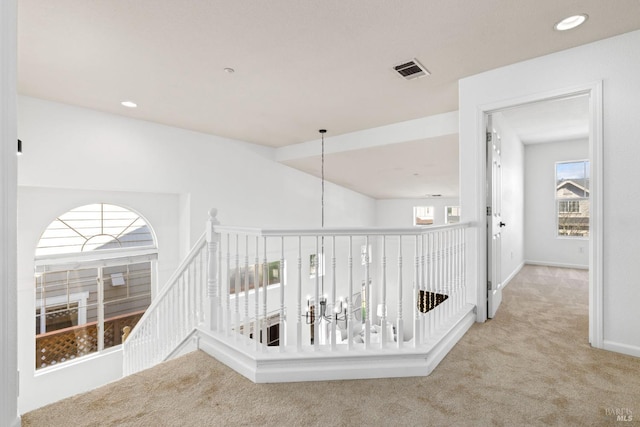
(569, 188)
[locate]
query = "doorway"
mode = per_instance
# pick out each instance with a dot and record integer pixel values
(570, 118)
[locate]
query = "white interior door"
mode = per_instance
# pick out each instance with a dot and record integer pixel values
(494, 221)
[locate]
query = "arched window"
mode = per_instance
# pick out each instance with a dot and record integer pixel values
(94, 272)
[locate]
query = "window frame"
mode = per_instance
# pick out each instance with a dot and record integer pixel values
(446, 214)
(99, 260)
(430, 211)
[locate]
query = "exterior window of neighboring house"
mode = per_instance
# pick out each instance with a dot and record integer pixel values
(452, 214)
(568, 206)
(423, 215)
(572, 198)
(94, 273)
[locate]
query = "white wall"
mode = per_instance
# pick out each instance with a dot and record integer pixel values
(512, 160)
(66, 146)
(169, 175)
(607, 61)
(542, 245)
(399, 212)
(37, 207)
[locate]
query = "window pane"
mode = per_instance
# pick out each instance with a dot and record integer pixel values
(94, 227)
(127, 294)
(573, 218)
(66, 316)
(452, 214)
(423, 215)
(572, 179)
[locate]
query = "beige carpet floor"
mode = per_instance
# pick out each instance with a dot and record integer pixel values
(531, 365)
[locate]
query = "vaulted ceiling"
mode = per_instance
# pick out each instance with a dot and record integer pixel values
(298, 65)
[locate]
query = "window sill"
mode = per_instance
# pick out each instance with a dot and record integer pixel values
(77, 361)
(573, 238)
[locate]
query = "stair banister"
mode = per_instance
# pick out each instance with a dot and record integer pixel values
(213, 284)
(434, 257)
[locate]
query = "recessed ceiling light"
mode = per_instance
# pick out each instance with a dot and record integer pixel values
(129, 104)
(229, 70)
(571, 22)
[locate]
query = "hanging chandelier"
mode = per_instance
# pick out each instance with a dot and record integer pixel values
(338, 312)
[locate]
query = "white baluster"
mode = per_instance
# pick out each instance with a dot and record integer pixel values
(443, 274)
(316, 309)
(450, 302)
(256, 284)
(219, 316)
(265, 282)
(204, 283)
(443, 286)
(367, 322)
(180, 295)
(193, 308)
(246, 289)
(237, 291)
(461, 232)
(281, 326)
(416, 292)
(464, 263)
(299, 299)
(431, 277)
(227, 284)
(383, 314)
(213, 240)
(399, 322)
(350, 305)
(452, 270)
(440, 280)
(436, 279)
(333, 293)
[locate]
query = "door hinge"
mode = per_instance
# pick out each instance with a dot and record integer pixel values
(488, 210)
(489, 137)
(489, 285)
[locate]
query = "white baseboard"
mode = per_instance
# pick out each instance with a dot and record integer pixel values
(450, 340)
(630, 350)
(512, 275)
(557, 264)
(216, 345)
(322, 365)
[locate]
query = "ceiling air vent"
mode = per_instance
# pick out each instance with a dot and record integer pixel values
(411, 69)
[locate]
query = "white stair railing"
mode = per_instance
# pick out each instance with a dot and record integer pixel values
(172, 316)
(344, 289)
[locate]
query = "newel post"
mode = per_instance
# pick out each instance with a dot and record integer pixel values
(213, 246)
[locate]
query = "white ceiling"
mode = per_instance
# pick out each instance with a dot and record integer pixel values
(553, 120)
(411, 170)
(299, 66)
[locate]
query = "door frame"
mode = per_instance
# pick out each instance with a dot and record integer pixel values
(493, 148)
(596, 222)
